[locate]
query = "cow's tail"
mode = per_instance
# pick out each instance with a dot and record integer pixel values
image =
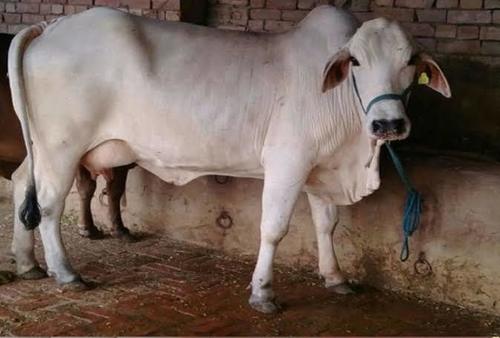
(29, 212)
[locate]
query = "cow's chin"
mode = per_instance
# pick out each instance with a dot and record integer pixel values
(390, 136)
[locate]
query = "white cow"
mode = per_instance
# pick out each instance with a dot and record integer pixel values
(106, 88)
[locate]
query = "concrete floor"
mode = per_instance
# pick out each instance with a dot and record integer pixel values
(161, 287)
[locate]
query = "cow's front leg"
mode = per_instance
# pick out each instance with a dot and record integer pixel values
(325, 217)
(282, 185)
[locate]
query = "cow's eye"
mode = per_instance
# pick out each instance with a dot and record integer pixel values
(413, 60)
(354, 61)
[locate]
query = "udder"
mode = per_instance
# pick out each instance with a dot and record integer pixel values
(107, 155)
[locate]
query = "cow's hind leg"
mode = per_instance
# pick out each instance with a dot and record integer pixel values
(86, 187)
(23, 241)
(53, 187)
(325, 217)
(282, 185)
(115, 189)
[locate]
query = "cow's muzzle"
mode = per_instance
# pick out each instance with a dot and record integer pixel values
(389, 129)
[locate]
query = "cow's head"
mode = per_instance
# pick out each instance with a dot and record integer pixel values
(383, 63)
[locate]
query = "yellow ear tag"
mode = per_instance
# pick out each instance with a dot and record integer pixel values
(423, 79)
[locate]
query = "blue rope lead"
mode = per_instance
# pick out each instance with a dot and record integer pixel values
(413, 204)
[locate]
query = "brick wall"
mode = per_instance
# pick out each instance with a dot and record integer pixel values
(18, 14)
(456, 27)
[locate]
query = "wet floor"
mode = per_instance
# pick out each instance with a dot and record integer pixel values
(161, 287)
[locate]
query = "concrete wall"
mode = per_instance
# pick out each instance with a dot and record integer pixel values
(454, 255)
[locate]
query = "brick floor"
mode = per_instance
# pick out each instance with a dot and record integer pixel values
(161, 287)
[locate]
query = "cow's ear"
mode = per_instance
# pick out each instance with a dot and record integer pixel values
(429, 73)
(336, 70)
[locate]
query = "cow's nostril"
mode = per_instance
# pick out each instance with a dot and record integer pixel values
(378, 126)
(398, 125)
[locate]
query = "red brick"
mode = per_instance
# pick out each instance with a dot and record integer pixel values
(306, 4)
(431, 15)
(360, 5)
(14, 29)
(490, 33)
(428, 43)
(236, 3)
(45, 8)
(255, 25)
(447, 4)
(473, 17)
(419, 29)
(257, 3)
(80, 2)
(168, 5)
(468, 32)
(142, 4)
(57, 9)
(490, 48)
(364, 16)
(108, 3)
(496, 17)
(61, 2)
(295, 15)
(277, 26)
(459, 46)
(239, 16)
(265, 14)
(12, 18)
(471, 4)
(384, 3)
(32, 1)
(281, 4)
(491, 4)
(414, 3)
(10, 7)
(400, 14)
(172, 16)
(28, 8)
(446, 31)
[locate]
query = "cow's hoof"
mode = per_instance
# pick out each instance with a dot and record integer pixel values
(92, 233)
(343, 288)
(263, 306)
(77, 285)
(33, 274)
(6, 277)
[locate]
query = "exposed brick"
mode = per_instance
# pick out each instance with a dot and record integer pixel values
(10, 7)
(471, 17)
(256, 25)
(447, 4)
(419, 29)
(491, 4)
(490, 48)
(414, 3)
(80, 2)
(237, 3)
(108, 3)
(28, 8)
(14, 29)
(57, 9)
(257, 3)
(459, 47)
(431, 15)
(384, 3)
(468, 32)
(265, 14)
(400, 14)
(281, 4)
(61, 2)
(143, 4)
(490, 33)
(45, 9)
(172, 16)
(239, 16)
(305, 4)
(2, 7)
(496, 17)
(360, 5)
(471, 4)
(277, 26)
(364, 16)
(446, 31)
(293, 15)
(428, 43)
(11, 18)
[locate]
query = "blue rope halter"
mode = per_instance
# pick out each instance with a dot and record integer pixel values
(413, 204)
